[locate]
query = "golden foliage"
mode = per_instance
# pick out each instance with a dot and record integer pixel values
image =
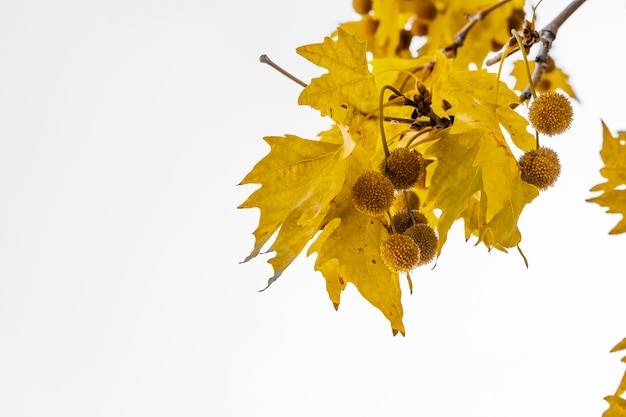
(460, 123)
(613, 195)
(617, 404)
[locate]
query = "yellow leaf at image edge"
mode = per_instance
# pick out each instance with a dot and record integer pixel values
(613, 195)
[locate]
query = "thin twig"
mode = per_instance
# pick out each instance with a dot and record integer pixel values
(266, 60)
(548, 34)
(459, 39)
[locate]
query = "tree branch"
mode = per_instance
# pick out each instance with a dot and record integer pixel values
(548, 34)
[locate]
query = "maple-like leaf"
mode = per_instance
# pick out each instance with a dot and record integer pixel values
(551, 80)
(491, 32)
(476, 175)
(617, 407)
(621, 389)
(306, 185)
(348, 252)
(617, 404)
(349, 87)
(613, 195)
(298, 178)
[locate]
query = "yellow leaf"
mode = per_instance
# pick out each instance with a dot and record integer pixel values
(550, 81)
(613, 195)
(489, 33)
(348, 252)
(348, 88)
(620, 346)
(617, 407)
(622, 385)
(476, 175)
(298, 178)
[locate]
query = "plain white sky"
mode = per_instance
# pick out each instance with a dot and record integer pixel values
(124, 129)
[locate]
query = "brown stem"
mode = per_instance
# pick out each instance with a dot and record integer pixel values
(459, 39)
(264, 59)
(548, 34)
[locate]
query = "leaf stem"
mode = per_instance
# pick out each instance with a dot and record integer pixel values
(264, 59)
(409, 209)
(382, 118)
(525, 58)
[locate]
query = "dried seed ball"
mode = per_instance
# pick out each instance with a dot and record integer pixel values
(402, 220)
(426, 239)
(551, 113)
(372, 194)
(425, 10)
(362, 6)
(399, 253)
(402, 168)
(540, 167)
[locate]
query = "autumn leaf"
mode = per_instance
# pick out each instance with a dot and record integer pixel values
(298, 178)
(435, 100)
(553, 78)
(476, 175)
(348, 88)
(306, 185)
(349, 253)
(622, 386)
(488, 34)
(613, 194)
(617, 407)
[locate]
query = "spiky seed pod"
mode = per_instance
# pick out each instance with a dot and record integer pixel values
(402, 220)
(540, 167)
(399, 253)
(551, 113)
(402, 167)
(426, 239)
(372, 194)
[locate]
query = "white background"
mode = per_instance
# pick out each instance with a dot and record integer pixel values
(125, 127)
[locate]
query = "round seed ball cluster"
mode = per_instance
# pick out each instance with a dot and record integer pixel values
(402, 167)
(372, 194)
(551, 113)
(426, 239)
(402, 219)
(540, 167)
(399, 253)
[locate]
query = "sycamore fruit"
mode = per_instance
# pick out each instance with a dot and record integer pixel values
(402, 167)
(540, 167)
(399, 252)
(402, 219)
(426, 239)
(373, 194)
(425, 10)
(551, 113)
(362, 6)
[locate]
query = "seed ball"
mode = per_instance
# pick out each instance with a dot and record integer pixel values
(362, 6)
(372, 194)
(425, 10)
(402, 220)
(403, 168)
(426, 239)
(540, 167)
(551, 113)
(399, 253)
